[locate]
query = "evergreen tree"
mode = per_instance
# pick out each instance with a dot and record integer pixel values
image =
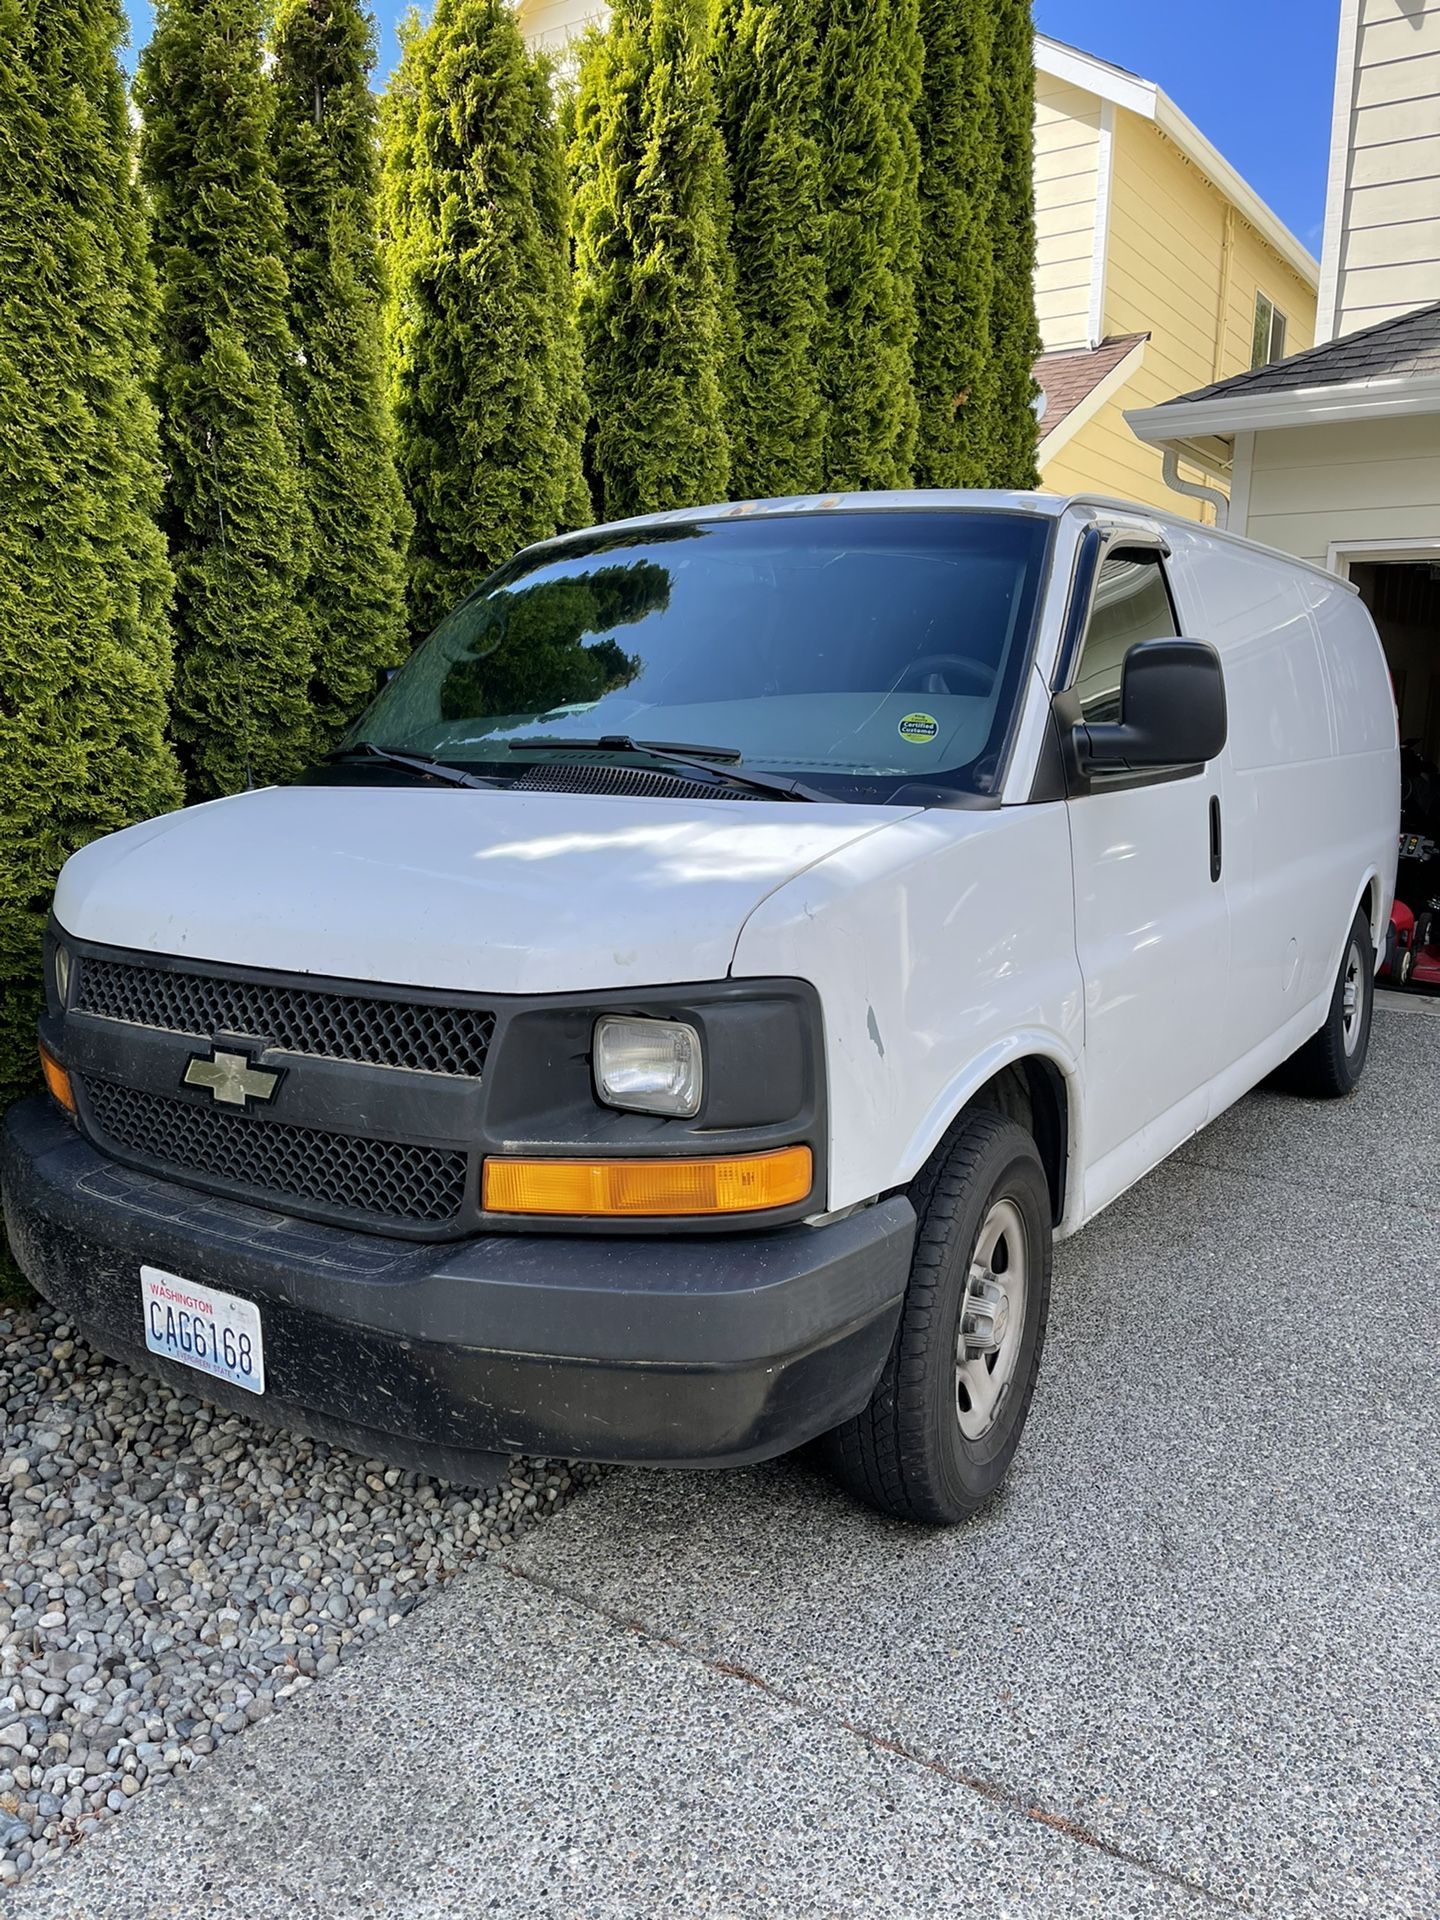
(767, 70)
(1014, 332)
(486, 365)
(870, 72)
(234, 509)
(328, 168)
(84, 583)
(954, 377)
(651, 219)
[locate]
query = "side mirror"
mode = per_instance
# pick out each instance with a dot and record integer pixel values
(383, 677)
(1172, 711)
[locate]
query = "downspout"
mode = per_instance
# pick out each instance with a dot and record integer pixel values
(1193, 490)
(1222, 307)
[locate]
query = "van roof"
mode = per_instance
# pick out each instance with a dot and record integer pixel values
(1043, 506)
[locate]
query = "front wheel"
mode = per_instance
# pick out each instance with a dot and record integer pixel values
(1330, 1064)
(942, 1427)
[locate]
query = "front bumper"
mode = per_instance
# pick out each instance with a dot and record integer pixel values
(685, 1352)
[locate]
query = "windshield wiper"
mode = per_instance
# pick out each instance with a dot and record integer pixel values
(421, 763)
(670, 753)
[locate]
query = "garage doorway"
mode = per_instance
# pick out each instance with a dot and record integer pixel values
(1401, 587)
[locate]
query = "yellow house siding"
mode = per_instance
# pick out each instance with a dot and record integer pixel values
(1368, 480)
(1168, 276)
(1383, 223)
(1067, 187)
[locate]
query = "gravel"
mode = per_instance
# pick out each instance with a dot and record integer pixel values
(173, 1574)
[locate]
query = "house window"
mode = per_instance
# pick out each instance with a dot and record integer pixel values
(1269, 339)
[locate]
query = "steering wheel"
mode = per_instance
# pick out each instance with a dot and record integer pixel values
(959, 673)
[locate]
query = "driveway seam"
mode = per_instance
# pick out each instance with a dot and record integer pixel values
(988, 1790)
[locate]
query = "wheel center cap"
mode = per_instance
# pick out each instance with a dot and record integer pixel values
(987, 1315)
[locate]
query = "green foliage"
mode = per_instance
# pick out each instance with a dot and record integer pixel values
(84, 586)
(1014, 332)
(531, 648)
(651, 221)
(486, 363)
(234, 508)
(870, 67)
(327, 165)
(767, 82)
(956, 121)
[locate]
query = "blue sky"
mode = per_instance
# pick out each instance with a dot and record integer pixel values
(1255, 75)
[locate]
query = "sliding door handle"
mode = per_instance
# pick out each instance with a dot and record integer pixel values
(1215, 845)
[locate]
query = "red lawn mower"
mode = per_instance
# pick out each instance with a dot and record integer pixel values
(1412, 952)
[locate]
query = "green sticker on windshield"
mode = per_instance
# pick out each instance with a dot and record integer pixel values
(918, 728)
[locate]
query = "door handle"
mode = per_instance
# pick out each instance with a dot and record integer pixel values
(1215, 845)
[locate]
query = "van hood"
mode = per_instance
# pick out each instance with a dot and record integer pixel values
(489, 892)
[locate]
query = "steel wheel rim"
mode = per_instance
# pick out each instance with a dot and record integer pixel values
(1352, 999)
(991, 1326)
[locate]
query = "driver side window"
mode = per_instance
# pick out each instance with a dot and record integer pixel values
(1131, 602)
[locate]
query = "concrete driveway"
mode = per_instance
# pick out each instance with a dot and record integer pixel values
(1186, 1666)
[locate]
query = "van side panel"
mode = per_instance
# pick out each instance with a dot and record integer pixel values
(1300, 819)
(936, 965)
(1354, 659)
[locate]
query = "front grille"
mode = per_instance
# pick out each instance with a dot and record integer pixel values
(334, 1026)
(638, 782)
(375, 1178)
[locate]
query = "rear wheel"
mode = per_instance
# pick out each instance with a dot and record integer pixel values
(942, 1427)
(1330, 1064)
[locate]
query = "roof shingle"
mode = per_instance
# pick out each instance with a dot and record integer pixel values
(1068, 377)
(1408, 345)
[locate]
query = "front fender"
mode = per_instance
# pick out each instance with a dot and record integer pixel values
(942, 949)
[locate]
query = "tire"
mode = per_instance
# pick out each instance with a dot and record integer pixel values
(922, 1449)
(1330, 1064)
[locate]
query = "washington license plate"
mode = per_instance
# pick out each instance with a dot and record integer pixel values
(203, 1328)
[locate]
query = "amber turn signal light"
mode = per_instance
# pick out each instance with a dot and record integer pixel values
(649, 1189)
(57, 1080)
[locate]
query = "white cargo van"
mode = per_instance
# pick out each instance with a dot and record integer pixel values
(737, 942)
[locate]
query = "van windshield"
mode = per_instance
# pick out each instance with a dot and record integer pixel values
(860, 653)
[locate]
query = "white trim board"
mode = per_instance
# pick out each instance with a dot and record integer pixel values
(1338, 179)
(1341, 555)
(1242, 468)
(1100, 254)
(1384, 398)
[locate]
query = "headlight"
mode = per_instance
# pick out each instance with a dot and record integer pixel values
(61, 964)
(648, 1066)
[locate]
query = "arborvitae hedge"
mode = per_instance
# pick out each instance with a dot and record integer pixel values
(234, 509)
(328, 170)
(870, 68)
(960, 165)
(1014, 332)
(486, 371)
(84, 585)
(651, 218)
(767, 68)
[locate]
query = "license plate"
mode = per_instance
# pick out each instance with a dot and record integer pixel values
(203, 1328)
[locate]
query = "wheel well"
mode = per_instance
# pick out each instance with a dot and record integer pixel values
(1032, 1093)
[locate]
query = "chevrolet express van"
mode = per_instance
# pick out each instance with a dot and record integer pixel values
(678, 1021)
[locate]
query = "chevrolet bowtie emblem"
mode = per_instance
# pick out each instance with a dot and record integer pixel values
(231, 1078)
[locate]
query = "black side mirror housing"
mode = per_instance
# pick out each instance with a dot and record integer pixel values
(1172, 711)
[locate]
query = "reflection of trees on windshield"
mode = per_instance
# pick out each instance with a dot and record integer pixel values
(526, 651)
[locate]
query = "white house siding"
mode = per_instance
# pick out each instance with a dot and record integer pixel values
(1382, 241)
(1369, 480)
